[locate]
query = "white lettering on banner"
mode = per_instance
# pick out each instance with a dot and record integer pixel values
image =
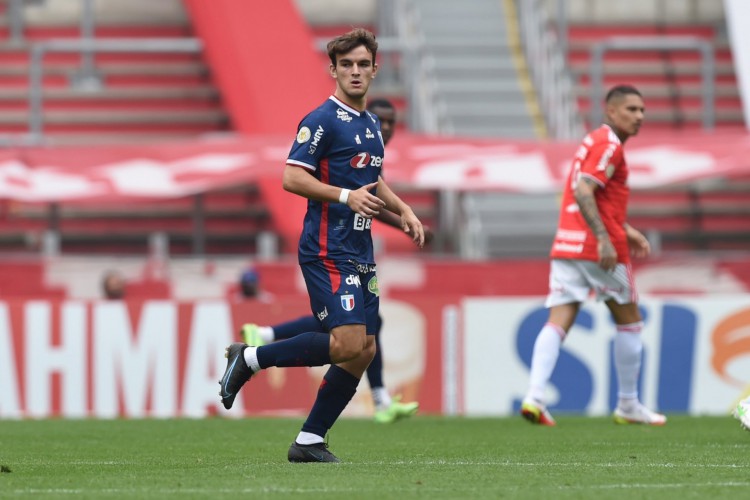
(20, 182)
(10, 403)
(666, 164)
(527, 172)
(42, 359)
(211, 332)
(141, 367)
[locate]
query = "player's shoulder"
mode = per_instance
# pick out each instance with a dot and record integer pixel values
(602, 136)
(373, 117)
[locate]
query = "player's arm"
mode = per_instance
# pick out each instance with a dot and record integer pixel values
(409, 222)
(639, 245)
(584, 195)
(298, 181)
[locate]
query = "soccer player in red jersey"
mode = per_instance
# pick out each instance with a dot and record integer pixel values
(591, 253)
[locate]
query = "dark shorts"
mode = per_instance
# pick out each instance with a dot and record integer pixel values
(343, 293)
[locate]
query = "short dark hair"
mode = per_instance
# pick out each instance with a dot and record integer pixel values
(380, 102)
(350, 41)
(620, 91)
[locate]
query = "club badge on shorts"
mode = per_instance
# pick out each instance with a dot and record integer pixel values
(347, 302)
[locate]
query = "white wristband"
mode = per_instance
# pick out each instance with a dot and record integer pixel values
(344, 196)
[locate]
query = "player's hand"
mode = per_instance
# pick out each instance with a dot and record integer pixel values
(607, 254)
(363, 202)
(412, 226)
(639, 245)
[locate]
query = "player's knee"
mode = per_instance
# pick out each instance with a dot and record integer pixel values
(349, 342)
(345, 351)
(368, 353)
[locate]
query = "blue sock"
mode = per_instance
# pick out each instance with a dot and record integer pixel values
(307, 349)
(335, 392)
(295, 327)
(375, 370)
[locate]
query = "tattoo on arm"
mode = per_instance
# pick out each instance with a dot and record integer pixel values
(587, 205)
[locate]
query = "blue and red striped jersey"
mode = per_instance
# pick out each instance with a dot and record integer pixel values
(342, 147)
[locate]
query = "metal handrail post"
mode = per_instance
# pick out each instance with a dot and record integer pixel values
(562, 27)
(87, 73)
(16, 20)
(36, 98)
(709, 91)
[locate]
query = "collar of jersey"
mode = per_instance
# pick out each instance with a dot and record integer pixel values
(612, 135)
(346, 107)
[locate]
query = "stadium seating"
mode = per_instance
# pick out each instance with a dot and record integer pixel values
(670, 81)
(233, 219)
(142, 97)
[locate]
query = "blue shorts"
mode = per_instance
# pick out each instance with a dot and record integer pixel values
(343, 293)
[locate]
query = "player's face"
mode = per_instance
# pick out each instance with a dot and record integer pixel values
(354, 72)
(387, 121)
(626, 114)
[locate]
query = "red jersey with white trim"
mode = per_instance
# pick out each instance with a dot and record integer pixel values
(600, 157)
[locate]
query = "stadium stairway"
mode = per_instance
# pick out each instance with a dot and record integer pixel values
(669, 80)
(476, 77)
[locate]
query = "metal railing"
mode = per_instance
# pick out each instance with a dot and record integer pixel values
(404, 64)
(545, 56)
(644, 44)
(90, 46)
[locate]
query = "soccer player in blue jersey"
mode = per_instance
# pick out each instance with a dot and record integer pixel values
(335, 163)
(387, 409)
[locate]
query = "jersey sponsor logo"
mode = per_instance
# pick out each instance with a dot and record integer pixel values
(369, 134)
(343, 115)
(571, 235)
(568, 247)
(303, 135)
(322, 314)
(609, 171)
(361, 160)
(316, 139)
(353, 280)
(366, 268)
(372, 286)
(361, 223)
(347, 302)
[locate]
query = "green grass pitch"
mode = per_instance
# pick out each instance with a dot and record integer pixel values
(426, 457)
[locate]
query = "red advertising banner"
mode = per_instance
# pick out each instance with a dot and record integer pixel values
(108, 359)
(115, 173)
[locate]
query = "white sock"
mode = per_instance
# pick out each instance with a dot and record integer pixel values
(381, 398)
(266, 334)
(251, 358)
(546, 351)
(628, 349)
(308, 438)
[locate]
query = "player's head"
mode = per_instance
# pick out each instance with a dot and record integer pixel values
(384, 110)
(249, 283)
(113, 285)
(353, 62)
(625, 110)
